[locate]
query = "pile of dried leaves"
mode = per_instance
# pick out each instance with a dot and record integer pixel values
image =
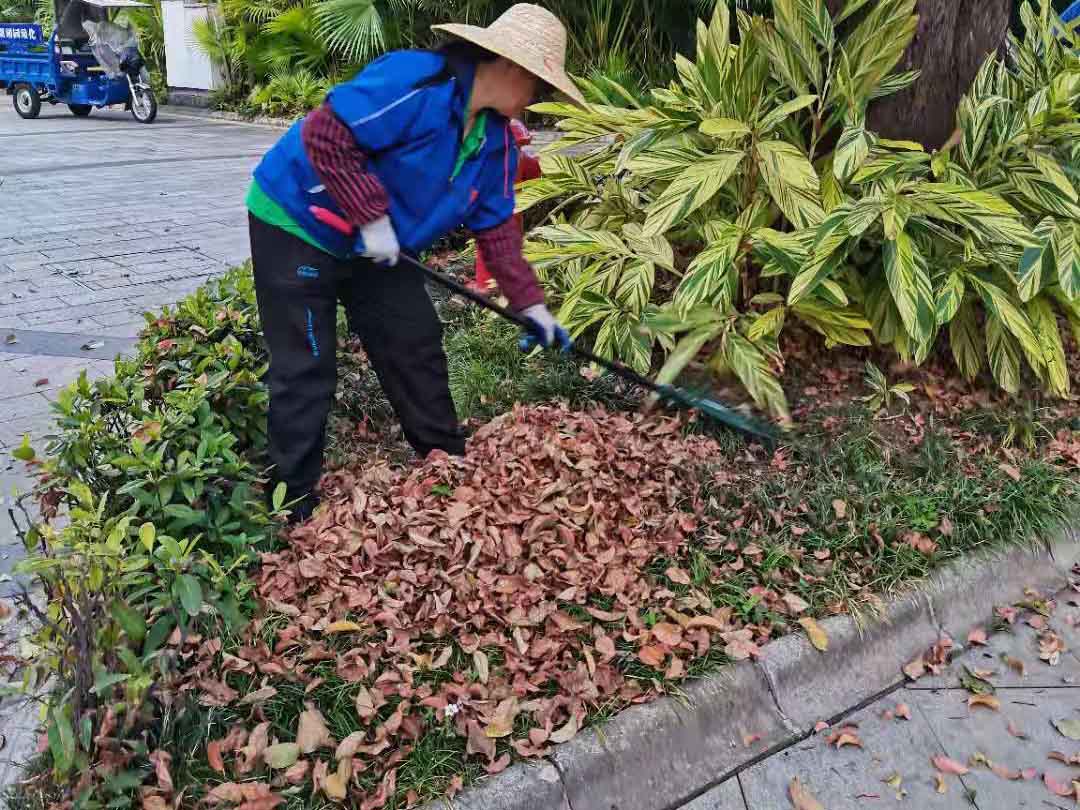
(501, 594)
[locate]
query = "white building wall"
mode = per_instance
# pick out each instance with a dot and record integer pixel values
(187, 67)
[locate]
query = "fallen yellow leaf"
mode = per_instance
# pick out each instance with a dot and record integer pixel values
(815, 633)
(502, 724)
(336, 785)
(343, 627)
(989, 701)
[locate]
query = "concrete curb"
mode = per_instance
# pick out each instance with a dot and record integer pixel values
(669, 752)
(205, 113)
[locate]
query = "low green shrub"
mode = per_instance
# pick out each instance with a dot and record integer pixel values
(153, 507)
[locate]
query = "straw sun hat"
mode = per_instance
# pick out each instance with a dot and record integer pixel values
(529, 36)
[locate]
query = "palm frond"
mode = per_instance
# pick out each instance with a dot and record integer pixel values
(353, 29)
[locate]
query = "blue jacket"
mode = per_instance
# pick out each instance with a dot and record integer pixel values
(412, 137)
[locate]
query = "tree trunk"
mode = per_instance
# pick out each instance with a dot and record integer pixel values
(952, 40)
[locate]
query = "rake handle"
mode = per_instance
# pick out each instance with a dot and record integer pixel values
(664, 392)
(520, 320)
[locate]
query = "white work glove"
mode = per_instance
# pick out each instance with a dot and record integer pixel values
(378, 242)
(547, 332)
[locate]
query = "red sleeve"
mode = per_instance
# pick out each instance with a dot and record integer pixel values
(501, 248)
(341, 165)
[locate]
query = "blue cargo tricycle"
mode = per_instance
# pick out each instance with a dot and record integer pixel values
(89, 61)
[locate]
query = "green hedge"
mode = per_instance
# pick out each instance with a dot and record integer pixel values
(154, 506)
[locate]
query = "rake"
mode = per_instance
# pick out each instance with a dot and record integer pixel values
(707, 406)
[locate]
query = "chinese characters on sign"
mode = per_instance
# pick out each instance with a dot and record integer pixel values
(13, 32)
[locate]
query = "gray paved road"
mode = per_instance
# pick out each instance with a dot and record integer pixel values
(1016, 734)
(103, 218)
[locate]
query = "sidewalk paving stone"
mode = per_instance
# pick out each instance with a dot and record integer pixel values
(726, 797)
(21, 374)
(22, 406)
(966, 732)
(854, 778)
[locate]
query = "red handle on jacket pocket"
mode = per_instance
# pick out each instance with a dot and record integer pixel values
(326, 217)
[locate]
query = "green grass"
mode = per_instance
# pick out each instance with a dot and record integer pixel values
(488, 373)
(887, 494)
(34, 791)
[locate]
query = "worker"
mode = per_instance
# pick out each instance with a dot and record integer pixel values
(416, 146)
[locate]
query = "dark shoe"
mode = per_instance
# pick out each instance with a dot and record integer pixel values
(302, 511)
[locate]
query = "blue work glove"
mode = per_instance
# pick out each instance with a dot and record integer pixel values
(546, 331)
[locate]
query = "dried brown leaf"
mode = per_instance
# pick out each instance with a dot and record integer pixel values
(1015, 664)
(258, 696)
(348, 747)
(499, 765)
(950, 766)
(312, 733)
(365, 705)
(1016, 732)
(801, 798)
(668, 634)
(1011, 471)
(162, 761)
(749, 739)
(678, 576)
(915, 669)
(652, 655)
(251, 754)
(795, 604)
(567, 732)
(977, 637)
(214, 757)
(1059, 788)
(297, 774)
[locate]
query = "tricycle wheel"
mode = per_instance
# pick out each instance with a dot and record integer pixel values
(80, 110)
(27, 101)
(144, 106)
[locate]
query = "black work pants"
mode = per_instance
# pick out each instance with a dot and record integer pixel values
(298, 289)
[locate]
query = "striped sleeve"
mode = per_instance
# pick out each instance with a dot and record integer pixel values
(501, 248)
(341, 165)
